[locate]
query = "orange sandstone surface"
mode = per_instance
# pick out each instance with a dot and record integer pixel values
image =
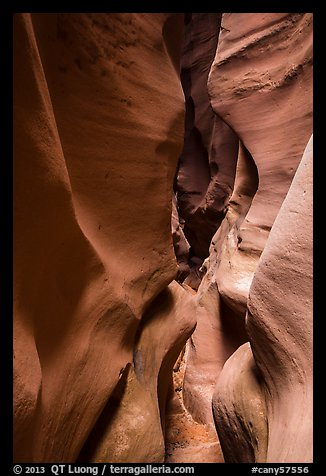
(162, 237)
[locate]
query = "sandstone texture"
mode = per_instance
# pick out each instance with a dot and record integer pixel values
(162, 237)
(240, 409)
(279, 321)
(207, 164)
(261, 100)
(263, 401)
(186, 440)
(96, 129)
(262, 93)
(134, 432)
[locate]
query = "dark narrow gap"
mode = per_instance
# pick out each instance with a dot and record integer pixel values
(206, 169)
(233, 326)
(215, 172)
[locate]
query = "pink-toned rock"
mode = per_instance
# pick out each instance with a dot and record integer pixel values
(207, 164)
(260, 83)
(99, 321)
(180, 243)
(220, 329)
(279, 322)
(97, 135)
(240, 409)
(263, 406)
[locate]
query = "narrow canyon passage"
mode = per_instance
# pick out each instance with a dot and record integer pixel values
(162, 237)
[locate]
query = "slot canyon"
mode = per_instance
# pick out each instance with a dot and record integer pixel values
(163, 198)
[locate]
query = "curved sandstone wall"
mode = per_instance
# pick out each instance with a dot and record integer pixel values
(96, 130)
(162, 237)
(260, 83)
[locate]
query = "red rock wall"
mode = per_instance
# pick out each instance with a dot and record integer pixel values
(207, 164)
(134, 431)
(96, 130)
(149, 148)
(263, 398)
(260, 83)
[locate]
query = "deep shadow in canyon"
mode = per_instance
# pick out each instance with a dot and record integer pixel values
(162, 237)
